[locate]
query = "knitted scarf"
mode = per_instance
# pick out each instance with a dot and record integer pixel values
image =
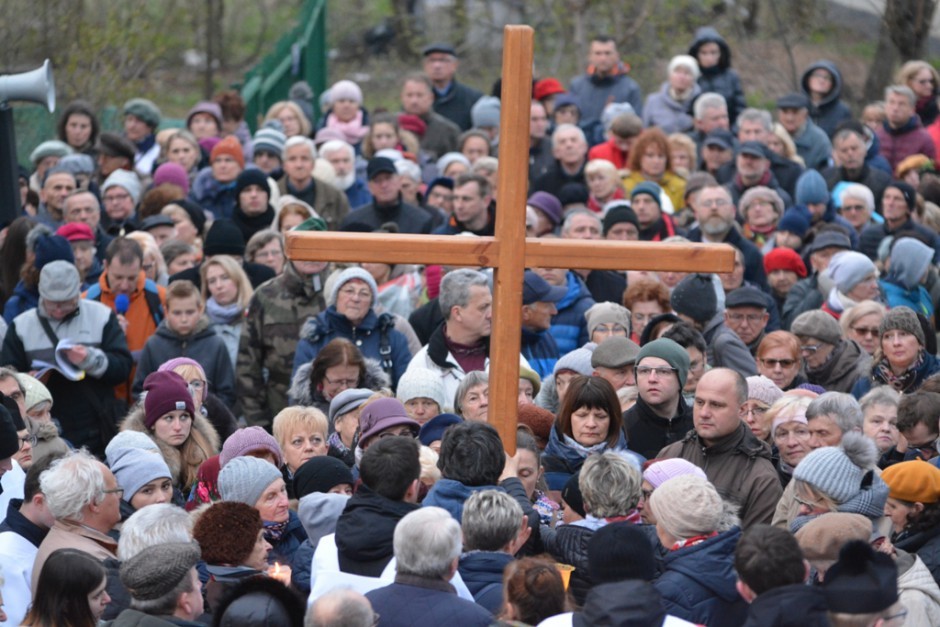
(274, 530)
(900, 382)
(353, 130)
(224, 314)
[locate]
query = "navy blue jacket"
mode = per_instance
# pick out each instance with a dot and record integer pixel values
(719, 78)
(753, 259)
(569, 327)
(358, 194)
(284, 549)
(419, 602)
(482, 571)
(831, 110)
(698, 584)
(23, 299)
(540, 350)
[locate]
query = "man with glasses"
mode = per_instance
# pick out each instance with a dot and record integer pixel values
(660, 416)
(119, 195)
(734, 460)
(746, 313)
(99, 350)
(830, 360)
(917, 423)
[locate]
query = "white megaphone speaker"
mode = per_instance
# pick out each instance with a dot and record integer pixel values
(35, 86)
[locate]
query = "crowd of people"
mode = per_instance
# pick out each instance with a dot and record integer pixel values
(196, 429)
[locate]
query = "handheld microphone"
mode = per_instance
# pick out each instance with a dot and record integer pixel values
(122, 303)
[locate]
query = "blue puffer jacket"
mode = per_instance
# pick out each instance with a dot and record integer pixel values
(330, 324)
(698, 584)
(569, 327)
(917, 299)
(482, 571)
(23, 299)
(540, 350)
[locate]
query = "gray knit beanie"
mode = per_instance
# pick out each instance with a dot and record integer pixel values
(848, 268)
(695, 297)
(126, 440)
(348, 275)
(134, 468)
(244, 479)
(819, 324)
(157, 570)
(670, 352)
(902, 319)
(578, 360)
(687, 506)
(837, 471)
(421, 383)
(607, 313)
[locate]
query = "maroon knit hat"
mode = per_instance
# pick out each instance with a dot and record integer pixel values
(227, 532)
(539, 420)
(166, 392)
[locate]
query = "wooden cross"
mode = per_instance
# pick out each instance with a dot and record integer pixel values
(509, 252)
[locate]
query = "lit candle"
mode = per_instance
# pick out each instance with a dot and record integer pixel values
(565, 571)
(281, 573)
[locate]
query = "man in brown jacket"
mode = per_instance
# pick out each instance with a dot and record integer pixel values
(735, 461)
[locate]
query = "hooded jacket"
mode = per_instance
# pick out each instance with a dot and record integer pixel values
(318, 513)
(830, 111)
(451, 496)
(667, 113)
(740, 468)
(720, 78)
(698, 584)
(917, 590)
(202, 345)
(847, 363)
(303, 391)
(796, 605)
(364, 532)
(482, 571)
(910, 260)
(540, 350)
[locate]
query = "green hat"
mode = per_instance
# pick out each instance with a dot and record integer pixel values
(671, 353)
(143, 109)
(311, 224)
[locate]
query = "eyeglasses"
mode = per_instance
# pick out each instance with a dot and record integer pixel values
(717, 202)
(29, 439)
(118, 491)
(866, 331)
(757, 412)
(740, 317)
(798, 434)
(404, 432)
(113, 198)
(783, 363)
(352, 293)
(854, 208)
(661, 371)
(341, 382)
(197, 384)
(809, 348)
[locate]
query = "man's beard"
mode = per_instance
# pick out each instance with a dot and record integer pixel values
(715, 226)
(346, 181)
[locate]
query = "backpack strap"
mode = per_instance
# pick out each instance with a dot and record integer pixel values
(386, 324)
(155, 306)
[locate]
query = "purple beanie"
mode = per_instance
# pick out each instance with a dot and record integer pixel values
(166, 392)
(172, 173)
(249, 439)
(547, 204)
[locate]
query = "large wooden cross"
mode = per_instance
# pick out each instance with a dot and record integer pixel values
(509, 252)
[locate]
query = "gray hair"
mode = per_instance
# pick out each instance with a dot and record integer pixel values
(299, 140)
(426, 543)
(859, 191)
(901, 90)
(566, 225)
(471, 380)
(561, 128)
(161, 523)
(709, 100)
(841, 407)
(455, 288)
(610, 485)
(336, 145)
(412, 170)
(757, 115)
(845, 133)
(490, 521)
(72, 483)
(340, 607)
(166, 604)
(881, 395)
(485, 165)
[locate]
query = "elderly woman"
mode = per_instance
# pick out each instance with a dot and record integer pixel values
(385, 417)
(761, 208)
(880, 417)
(924, 81)
(855, 489)
(645, 299)
(603, 184)
(860, 324)
(670, 108)
(337, 367)
(761, 394)
(854, 279)
(344, 416)
(422, 394)
(606, 320)
(790, 433)
(472, 398)
(830, 361)
(346, 113)
(857, 204)
(779, 359)
(650, 161)
(698, 581)
(657, 473)
(903, 284)
(351, 315)
(266, 247)
(168, 416)
(589, 421)
(291, 116)
(901, 360)
(913, 506)
(259, 484)
(301, 433)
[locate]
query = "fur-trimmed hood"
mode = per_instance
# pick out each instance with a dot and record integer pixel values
(301, 391)
(202, 435)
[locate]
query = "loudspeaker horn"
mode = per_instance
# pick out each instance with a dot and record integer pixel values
(35, 86)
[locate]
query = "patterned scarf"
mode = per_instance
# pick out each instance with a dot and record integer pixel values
(274, 530)
(899, 382)
(337, 443)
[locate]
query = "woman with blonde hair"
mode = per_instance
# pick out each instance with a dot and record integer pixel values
(924, 81)
(861, 322)
(603, 184)
(683, 153)
(226, 290)
(291, 117)
(154, 266)
(781, 143)
(301, 433)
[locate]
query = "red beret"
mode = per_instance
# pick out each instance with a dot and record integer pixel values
(784, 259)
(547, 87)
(412, 123)
(76, 232)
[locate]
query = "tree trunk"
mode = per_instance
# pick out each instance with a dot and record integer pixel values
(905, 30)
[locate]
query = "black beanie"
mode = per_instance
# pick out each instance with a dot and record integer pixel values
(695, 297)
(618, 214)
(252, 176)
(9, 440)
(321, 474)
(571, 494)
(14, 410)
(910, 195)
(620, 551)
(224, 238)
(196, 213)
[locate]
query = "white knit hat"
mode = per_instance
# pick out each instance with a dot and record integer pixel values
(421, 383)
(348, 275)
(687, 506)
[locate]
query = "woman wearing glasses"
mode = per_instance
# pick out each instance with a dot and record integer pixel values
(790, 433)
(778, 359)
(589, 422)
(761, 394)
(338, 366)
(860, 323)
(901, 360)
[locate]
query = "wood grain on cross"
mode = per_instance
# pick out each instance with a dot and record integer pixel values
(509, 252)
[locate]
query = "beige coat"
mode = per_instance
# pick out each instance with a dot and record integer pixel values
(67, 534)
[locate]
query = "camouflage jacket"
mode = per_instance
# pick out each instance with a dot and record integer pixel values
(277, 311)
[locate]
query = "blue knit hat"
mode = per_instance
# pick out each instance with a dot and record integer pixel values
(811, 188)
(649, 188)
(433, 429)
(52, 248)
(795, 220)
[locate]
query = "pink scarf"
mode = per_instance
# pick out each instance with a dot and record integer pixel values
(353, 130)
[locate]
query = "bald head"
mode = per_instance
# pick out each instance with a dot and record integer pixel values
(340, 608)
